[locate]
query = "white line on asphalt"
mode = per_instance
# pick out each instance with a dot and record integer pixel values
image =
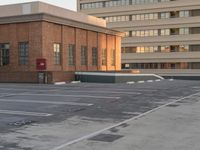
(26, 90)
(157, 80)
(25, 113)
(59, 83)
(130, 82)
(8, 94)
(149, 81)
(132, 113)
(108, 92)
(45, 102)
(120, 123)
(65, 89)
(82, 91)
(140, 81)
(79, 96)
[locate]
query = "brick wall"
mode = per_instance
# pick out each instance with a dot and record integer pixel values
(41, 36)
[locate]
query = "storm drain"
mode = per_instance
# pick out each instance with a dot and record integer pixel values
(106, 137)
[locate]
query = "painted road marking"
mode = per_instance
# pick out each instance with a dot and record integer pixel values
(149, 81)
(68, 88)
(130, 82)
(24, 113)
(120, 123)
(45, 102)
(132, 113)
(140, 81)
(79, 96)
(157, 80)
(26, 90)
(108, 92)
(74, 91)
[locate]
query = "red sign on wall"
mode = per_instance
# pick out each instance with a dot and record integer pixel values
(41, 64)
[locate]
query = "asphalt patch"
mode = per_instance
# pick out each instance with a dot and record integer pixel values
(106, 137)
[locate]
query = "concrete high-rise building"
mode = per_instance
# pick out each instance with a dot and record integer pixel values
(162, 36)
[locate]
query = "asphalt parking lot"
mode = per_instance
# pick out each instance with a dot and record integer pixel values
(89, 116)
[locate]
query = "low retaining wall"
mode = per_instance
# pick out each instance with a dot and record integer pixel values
(34, 77)
(103, 77)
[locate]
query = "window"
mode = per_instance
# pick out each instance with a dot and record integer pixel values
(165, 49)
(104, 57)
(57, 54)
(164, 15)
(4, 53)
(165, 32)
(113, 57)
(23, 53)
(115, 3)
(94, 56)
(71, 55)
(184, 13)
(184, 31)
(83, 55)
(184, 48)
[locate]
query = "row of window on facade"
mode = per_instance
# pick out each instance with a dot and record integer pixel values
(5, 53)
(162, 49)
(114, 3)
(158, 32)
(148, 16)
(84, 55)
(24, 55)
(166, 65)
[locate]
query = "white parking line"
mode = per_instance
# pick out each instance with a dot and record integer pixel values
(45, 102)
(24, 113)
(108, 92)
(132, 113)
(130, 82)
(26, 90)
(157, 80)
(118, 124)
(140, 81)
(6, 94)
(79, 96)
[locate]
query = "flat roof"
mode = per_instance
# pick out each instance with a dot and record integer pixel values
(41, 7)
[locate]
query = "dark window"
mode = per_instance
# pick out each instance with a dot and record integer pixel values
(94, 56)
(23, 53)
(57, 54)
(4, 50)
(113, 57)
(71, 55)
(104, 57)
(83, 55)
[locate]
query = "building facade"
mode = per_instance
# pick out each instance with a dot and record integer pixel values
(41, 42)
(162, 36)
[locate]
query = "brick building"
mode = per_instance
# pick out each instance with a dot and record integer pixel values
(41, 42)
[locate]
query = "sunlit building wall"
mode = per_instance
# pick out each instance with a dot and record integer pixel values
(162, 36)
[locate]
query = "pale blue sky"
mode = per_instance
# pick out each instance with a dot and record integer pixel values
(70, 4)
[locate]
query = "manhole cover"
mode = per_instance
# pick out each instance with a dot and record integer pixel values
(106, 137)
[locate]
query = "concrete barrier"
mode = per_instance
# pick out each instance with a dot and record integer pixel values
(107, 77)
